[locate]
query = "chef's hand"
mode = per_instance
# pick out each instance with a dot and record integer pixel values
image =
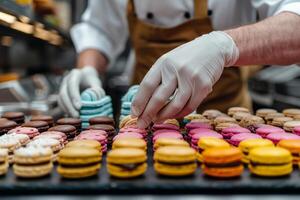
(77, 80)
(191, 70)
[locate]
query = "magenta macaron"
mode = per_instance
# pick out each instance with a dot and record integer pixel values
(296, 130)
(231, 131)
(194, 125)
(31, 132)
(158, 126)
(236, 139)
(277, 137)
(264, 131)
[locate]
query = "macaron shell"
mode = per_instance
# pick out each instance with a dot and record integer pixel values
(175, 154)
(32, 171)
(120, 172)
(225, 172)
(175, 170)
(236, 139)
(79, 172)
(126, 156)
(271, 171)
(270, 155)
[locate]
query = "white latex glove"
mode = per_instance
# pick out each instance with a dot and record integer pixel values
(76, 81)
(191, 70)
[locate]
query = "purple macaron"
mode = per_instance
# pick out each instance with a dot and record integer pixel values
(158, 126)
(264, 131)
(231, 131)
(277, 137)
(236, 139)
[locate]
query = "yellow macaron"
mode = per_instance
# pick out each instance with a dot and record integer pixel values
(161, 142)
(130, 143)
(210, 142)
(79, 162)
(246, 145)
(175, 161)
(85, 144)
(126, 162)
(270, 161)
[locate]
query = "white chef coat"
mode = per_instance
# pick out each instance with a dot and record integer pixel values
(104, 24)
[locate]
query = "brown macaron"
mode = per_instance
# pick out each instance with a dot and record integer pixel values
(69, 130)
(70, 121)
(42, 126)
(102, 120)
(6, 125)
(17, 117)
(46, 118)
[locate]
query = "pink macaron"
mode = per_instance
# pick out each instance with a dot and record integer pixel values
(135, 130)
(158, 126)
(264, 131)
(128, 135)
(236, 139)
(231, 131)
(167, 135)
(94, 132)
(296, 130)
(52, 136)
(197, 136)
(164, 131)
(277, 137)
(31, 132)
(61, 134)
(200, 130)
(194, 125)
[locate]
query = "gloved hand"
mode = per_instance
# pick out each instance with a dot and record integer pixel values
(77, 80)
(191, 70)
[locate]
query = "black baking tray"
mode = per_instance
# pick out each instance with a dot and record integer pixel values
(150, 183)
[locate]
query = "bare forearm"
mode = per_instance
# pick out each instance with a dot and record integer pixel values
(92, 57)
(275, 40)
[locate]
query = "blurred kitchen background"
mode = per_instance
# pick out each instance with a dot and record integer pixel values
(36, 51)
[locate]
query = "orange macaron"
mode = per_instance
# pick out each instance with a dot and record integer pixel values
(222, 162)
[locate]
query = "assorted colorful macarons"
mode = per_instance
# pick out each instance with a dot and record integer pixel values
(94, 105)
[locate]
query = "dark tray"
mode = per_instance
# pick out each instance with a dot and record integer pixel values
(150, 183)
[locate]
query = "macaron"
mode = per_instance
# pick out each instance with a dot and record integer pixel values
(264, 131)
(290, 125)
(79, 162)
(70, 121)
(6, 125)
(157, 132)
(192, 116)
(294, 147)
(194, 125)
(263, 112)
(158, 126)
(3, 161)
(46, 118)
(136, 143)
(224, 119)
(279, 121)
(96, 135)
(10, 143)
(291, 112)
(17, 117)
(167, 135)
(51, 143)
(110, 130)
(102, 120)
(85, 144)
(196, 137)
(62, 137)
(23, 138)
(269, 117)
(128, 135)
(231, 111)
(126, 162)
(172, 121)
(277, 137)
(251, 122)
(31, 132)
(175, 161)
(238, 116)
(69, 130)
(124, 120)
(296, 130)
(210, 142)
(221, 126)
(161, 142)
(212, 114)
(135, 130)
(42, 126)
(32, 162)
(247, 145)
(227, 133)
(270, 161)
(236, 139)
(222, 162)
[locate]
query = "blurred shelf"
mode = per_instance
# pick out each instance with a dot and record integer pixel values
(19, 25)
